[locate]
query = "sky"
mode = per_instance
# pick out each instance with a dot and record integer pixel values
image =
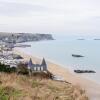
(50, 16)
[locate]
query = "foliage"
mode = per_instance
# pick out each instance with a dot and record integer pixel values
(6, 68)
(22, 69)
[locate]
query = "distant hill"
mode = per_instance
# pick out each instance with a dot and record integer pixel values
(24, 37)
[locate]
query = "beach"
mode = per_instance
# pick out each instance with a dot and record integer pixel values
(92, 89)
(60, 52)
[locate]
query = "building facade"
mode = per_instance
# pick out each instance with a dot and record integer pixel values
(37, 67)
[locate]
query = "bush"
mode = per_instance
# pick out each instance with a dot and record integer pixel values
(22, 69)
(6, 68)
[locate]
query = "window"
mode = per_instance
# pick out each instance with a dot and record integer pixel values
(38, 69)
(41, 68)
(34, 68)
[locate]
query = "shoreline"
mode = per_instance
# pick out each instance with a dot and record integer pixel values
(56, 69)
(63, 66)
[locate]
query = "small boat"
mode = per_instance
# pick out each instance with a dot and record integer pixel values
(75, 55)
(81, 39)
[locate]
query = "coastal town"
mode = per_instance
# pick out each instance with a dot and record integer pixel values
(7, 56)
(8, 41)
(13, 60)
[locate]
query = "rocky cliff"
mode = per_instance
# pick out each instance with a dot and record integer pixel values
(24, 37)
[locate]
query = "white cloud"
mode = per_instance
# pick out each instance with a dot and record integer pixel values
(57, 16)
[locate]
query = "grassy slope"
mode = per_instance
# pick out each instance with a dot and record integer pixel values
(19, 87)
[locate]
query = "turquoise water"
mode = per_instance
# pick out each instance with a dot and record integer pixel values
(61, 49)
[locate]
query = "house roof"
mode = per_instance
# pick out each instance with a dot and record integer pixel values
(30, 63)
(43, 62)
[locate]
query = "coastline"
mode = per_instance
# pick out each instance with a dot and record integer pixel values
(92, 88)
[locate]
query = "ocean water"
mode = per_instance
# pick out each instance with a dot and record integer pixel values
(60, 51)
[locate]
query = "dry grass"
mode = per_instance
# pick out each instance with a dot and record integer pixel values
(19, 87)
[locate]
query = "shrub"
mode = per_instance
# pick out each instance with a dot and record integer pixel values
(22, 69)
(6, 68)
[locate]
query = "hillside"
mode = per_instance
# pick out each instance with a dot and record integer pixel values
(24, 37)
(19, 87)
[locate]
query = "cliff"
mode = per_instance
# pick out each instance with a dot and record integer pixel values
(24, 37)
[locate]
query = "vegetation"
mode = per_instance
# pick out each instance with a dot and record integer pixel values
(7, 93)
(22, 69)
(22, 87)
(39, 86)
(7, 69)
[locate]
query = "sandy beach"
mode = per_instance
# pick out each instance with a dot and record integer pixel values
(92, 89)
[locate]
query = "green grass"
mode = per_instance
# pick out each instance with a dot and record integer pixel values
(22, 87)
(53, 88)
(6, 93)
(35, 83)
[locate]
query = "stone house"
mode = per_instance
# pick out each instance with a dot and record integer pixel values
(37, 67)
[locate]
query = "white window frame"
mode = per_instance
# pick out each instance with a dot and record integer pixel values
(41, 68)
(38, 68)
(34, 68)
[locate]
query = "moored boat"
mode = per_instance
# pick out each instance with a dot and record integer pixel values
(75, 55)
(84, 71)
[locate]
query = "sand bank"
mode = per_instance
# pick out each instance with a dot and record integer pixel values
(92, 88)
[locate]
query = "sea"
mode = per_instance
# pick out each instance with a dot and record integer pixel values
(60, 51)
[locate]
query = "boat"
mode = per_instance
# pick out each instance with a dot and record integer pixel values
(81, 39)
(84, 71)
(75, 55)
(97, 39)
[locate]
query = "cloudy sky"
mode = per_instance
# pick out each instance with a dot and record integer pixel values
(50, 16)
